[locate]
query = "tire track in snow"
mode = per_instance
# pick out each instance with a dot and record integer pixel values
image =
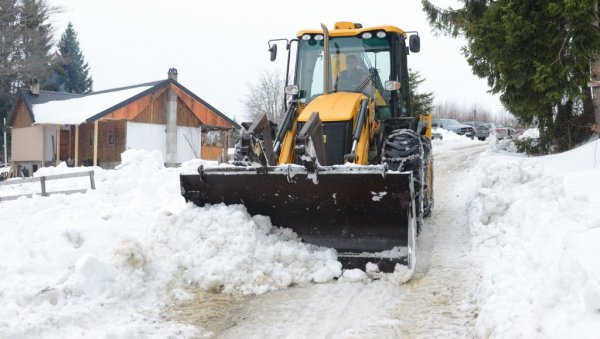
(441, 302)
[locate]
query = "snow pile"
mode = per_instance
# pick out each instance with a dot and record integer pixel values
(451, 139)
(536, 232)
(531, 133)
(105, 263)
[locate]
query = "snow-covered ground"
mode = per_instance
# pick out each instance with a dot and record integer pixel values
(510, 251)
(536, 235)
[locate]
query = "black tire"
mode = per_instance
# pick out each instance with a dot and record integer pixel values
(403, 151)
(428, 182)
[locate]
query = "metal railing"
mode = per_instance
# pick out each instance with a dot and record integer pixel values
(43, 179)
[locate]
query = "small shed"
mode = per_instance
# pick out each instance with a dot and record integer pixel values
(94, 129)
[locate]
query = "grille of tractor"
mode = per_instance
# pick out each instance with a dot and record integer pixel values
(338, 141)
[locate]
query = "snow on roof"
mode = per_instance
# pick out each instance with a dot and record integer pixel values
(78, 110)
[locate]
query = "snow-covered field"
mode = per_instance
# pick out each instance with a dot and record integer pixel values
(518, 235)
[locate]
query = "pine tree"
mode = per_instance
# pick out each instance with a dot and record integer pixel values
(9, 43)
(70, 71)
(36, 41)
(536, 55)
(25, 42)
(422, 101)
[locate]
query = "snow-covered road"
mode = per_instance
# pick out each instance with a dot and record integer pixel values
(437, 302)
(510, 251)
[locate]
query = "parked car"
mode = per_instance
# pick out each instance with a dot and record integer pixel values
(435, 132)
(512, 132)
(455, 126)
(481, 130)
(498, 130)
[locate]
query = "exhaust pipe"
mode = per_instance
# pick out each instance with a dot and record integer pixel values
(325, 58)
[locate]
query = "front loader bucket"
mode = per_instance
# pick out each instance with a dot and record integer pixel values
(363, 213)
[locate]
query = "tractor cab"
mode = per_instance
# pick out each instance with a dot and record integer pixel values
(370, 60)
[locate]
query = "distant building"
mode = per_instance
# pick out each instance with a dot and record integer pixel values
(94, 129)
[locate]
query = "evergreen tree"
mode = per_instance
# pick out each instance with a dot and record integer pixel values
(35, 40)
(536, 55)
(422, 102)
(9, 43)
(70, 71)
(25, 42)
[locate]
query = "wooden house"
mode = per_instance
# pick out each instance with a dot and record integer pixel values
(94, 129)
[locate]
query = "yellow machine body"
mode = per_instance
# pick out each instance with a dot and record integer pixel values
(348, 167)
(333, 107)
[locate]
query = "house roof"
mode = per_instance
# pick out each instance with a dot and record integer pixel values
(44, 97)
(67, 108)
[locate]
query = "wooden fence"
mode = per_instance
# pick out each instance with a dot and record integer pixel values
(43, 179)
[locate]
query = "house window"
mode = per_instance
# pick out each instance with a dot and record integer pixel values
(91, 137)
(111, 136)
(212, 138)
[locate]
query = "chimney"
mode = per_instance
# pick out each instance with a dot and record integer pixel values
(35, 86)
(172, 73)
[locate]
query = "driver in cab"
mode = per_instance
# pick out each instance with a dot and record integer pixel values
(352, 77)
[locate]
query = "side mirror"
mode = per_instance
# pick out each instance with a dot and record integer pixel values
(414, 43)
(273, 51)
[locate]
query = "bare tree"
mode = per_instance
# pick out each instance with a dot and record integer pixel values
(474, 112)
(266, 96)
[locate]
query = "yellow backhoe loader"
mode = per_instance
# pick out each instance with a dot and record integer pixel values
(350, 167)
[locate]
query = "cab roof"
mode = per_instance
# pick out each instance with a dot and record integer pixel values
(346, 28)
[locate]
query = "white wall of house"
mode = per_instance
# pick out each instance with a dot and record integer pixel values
(147, 136)
(154, 137)
(189, 143)
(26, 143)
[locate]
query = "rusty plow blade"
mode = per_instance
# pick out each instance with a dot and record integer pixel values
(365, 212)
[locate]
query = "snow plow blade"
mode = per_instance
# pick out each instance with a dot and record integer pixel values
(363, 213)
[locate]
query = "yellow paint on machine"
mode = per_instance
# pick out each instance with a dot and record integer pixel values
(341, 106)
(286, 156)
(332, 107)
(344, 29)
(362, 148)
(426, 119)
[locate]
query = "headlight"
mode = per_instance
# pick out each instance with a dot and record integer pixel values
(391, 85)
(319, 37)
(381, 34)
(306, 37)
(366, 35)
(291, 90)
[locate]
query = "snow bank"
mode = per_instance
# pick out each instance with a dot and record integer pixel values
(104, 264)
(536, 232)
(451, 139)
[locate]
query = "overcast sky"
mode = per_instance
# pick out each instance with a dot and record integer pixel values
(219, 47)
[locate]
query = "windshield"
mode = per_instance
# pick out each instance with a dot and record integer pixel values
(357, 65)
